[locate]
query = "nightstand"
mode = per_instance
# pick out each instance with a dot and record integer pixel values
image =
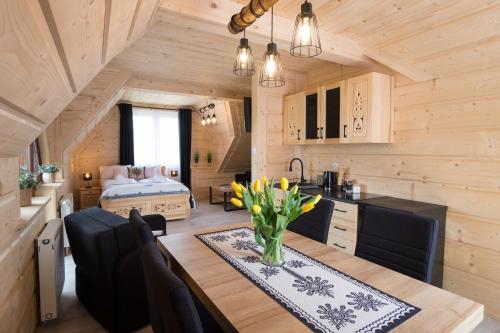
(89, 196)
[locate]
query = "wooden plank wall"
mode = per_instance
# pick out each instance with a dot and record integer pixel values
(100, 147)
(220, 140)
(18, 305)
(446, 151)
(269, 156)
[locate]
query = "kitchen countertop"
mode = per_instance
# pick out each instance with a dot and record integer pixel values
(340, 196)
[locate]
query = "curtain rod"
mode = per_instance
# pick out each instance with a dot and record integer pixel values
(157, 108)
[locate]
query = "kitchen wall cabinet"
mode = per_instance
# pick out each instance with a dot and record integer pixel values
(356, 110)
(312, 116)
(294, 118)
(332, 107)
(368, 114)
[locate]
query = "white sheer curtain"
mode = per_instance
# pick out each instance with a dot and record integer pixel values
(156, 137)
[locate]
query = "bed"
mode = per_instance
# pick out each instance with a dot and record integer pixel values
(154, 195)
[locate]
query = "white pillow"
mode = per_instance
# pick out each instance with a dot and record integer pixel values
(120, 170)
(152, 171)
(119, 180)
(106, 171)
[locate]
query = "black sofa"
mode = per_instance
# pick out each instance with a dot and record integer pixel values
(109, 279)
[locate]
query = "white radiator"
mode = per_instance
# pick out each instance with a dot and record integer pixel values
(66, 205)
(50, 257)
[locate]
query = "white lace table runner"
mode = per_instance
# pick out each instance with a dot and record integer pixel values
(324, 299)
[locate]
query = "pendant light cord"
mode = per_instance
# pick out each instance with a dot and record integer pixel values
(272, 23)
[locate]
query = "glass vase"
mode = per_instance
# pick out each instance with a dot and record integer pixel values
(273, 255)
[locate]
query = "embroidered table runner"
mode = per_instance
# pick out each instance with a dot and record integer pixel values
(323, 298)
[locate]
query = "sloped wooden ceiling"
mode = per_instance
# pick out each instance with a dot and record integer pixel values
(195, 56)
(50, 50)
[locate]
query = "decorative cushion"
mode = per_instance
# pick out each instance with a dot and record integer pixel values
(164, 171)
(152, 171)
(120, 170)
(135, 172)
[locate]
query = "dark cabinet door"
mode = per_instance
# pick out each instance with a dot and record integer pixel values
(332, 113)
(312, 116)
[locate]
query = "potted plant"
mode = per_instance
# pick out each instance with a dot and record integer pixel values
(269, 218)
(27, 182)
(209, 157)
(196, 157)
(48, 172)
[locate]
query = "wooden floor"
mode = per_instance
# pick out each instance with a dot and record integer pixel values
(75, 319)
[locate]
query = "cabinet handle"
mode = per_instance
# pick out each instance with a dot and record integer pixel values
(340, 210)
(317, 132)
(298, 134)
(345, 128)
(342, 247)
(321, 132)
(342, 229)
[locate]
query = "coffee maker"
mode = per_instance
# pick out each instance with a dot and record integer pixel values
(329, 180)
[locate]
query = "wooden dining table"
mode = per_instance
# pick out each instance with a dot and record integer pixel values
(238, 305)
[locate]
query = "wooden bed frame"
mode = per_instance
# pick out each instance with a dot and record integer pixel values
(171, 206)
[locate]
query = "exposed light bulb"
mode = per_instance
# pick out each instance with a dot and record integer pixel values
(305, 31)
(244, 58)
(209, 120)
(214, 120)
(244, 65)
(271, 66)
(203, 121)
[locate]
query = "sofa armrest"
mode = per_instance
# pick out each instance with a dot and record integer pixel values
(157, 223)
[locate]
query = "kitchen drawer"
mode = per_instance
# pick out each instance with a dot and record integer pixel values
(345, 211)
(341, 231)
(343, 245)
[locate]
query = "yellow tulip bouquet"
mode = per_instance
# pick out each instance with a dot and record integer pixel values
(270, 218)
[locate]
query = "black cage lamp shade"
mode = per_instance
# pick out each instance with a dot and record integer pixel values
(305, 40)
(272, 74)
(244, 65)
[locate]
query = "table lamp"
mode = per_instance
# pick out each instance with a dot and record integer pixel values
(87, 176)
(174, 173)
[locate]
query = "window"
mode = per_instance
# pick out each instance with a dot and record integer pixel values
(156, 137)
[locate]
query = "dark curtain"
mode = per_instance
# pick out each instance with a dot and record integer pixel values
(34, 159)
(126, 134)
(185, 145)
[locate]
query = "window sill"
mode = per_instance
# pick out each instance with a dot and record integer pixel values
(29, 213)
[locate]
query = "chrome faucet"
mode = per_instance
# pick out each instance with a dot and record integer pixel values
(302, 179)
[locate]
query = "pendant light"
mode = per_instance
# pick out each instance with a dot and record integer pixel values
(214, 120)
(272, 74)
(305, 39)
(203, 121)
(243, 65)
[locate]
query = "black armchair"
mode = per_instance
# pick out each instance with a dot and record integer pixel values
(109, 279)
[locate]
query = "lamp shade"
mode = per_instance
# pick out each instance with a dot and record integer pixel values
(305, 40)
(272, 74)
(87, 176)
(243, 64)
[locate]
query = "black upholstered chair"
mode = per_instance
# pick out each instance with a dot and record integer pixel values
(171, 306)
(109, 280)
(403, 242)
(315, 223)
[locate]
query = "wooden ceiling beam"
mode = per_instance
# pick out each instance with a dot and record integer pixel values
(336, 47)
(249, 14)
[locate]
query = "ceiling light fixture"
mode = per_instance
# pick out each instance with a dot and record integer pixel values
(305, 40)
(244, 65)
(272, 74)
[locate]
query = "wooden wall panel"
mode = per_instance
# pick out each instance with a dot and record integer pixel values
(120, 24)
(269, 157)
(100, 147)
(230, 154)
(445, 151)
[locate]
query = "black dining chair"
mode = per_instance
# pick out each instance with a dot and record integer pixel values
(315, 224)
(398, 240)
(172, 307)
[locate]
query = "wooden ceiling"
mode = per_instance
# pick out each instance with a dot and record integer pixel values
(187, 51)
(50, 50)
